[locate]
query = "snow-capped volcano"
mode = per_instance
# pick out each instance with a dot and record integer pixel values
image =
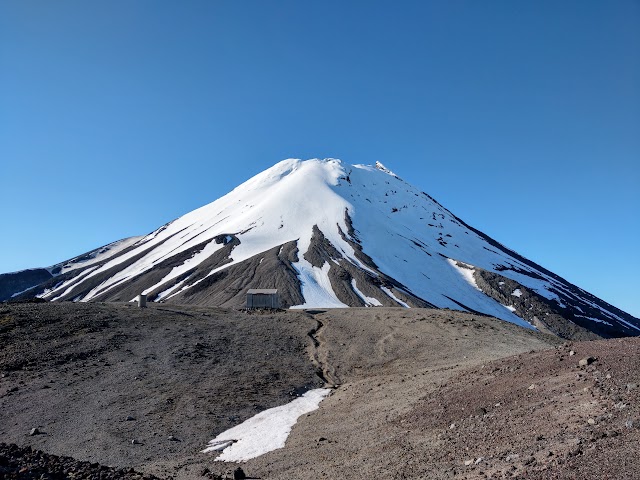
(329, 234)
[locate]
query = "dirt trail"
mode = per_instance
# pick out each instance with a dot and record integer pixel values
(319, 355)
(387, 359)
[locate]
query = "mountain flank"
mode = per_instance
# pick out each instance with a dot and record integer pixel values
(327, 234)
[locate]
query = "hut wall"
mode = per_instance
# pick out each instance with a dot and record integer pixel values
(256, 300)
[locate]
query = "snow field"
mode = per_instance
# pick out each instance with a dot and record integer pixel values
(266, 431)
(316, 286)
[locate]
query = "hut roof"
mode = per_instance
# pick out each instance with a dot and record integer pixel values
(262, 291)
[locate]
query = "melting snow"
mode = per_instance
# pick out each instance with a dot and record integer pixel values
(265, 431)
(390, 293)
(97, 255)
(517, 293)
(477, 300)
(594, 319)
(466, 271)
(169, 291)
(21, 292)
(316, 286)
(69, 284)
(197, 258)
(367, 300)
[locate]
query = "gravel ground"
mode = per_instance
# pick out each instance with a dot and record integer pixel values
(125, 387)
(419, 393)
(385, 360)
(26, 464)
(538, 415)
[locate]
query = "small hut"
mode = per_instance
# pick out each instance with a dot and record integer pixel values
(262, 298)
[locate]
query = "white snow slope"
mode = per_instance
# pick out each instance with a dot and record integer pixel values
(408, 235)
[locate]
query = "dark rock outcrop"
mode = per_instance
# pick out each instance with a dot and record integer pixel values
(12, 283)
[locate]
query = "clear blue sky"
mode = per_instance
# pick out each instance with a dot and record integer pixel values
(523, 118)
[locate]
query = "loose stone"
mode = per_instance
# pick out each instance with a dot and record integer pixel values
(586, 361)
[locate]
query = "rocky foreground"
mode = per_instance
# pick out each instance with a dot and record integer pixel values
(571, 412)
(26, 463)
(418, 393)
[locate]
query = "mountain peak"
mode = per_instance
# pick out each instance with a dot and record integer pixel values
(384, 169)
(329, 234)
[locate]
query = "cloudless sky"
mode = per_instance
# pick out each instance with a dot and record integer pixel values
(522, 118)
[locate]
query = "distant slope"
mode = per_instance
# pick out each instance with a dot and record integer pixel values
(329, 234)
(17, 282)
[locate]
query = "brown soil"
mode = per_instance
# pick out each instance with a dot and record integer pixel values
(419, 393)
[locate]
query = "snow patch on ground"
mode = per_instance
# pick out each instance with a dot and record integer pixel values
(369, 301)
(190, 263)
(21, 292)
(517, 293)
(69, 284)
(610, 314)
(477, 300)
(594, 319)
(541, 287)
(316, 286)
(169, 292)
(95, 256)
(266, 431)
(390, 293)
(466, 271)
